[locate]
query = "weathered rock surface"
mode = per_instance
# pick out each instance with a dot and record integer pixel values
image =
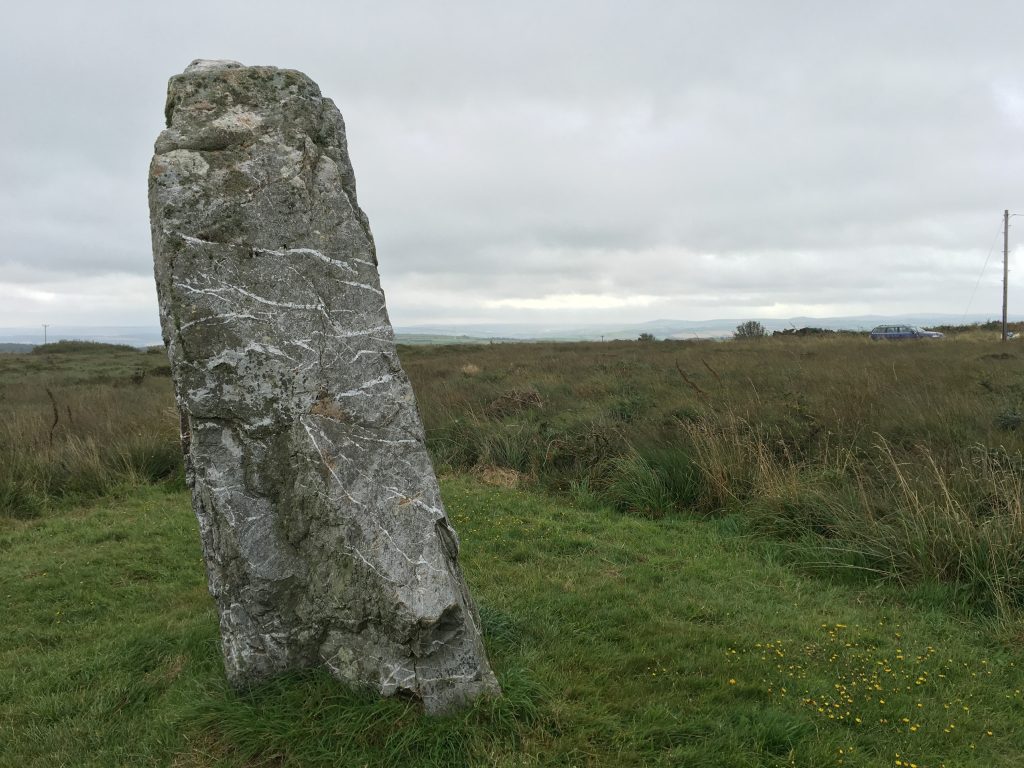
(324, 534)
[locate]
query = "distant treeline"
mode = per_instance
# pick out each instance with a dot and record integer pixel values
(991, 325)
(80, 347)
(811, 331)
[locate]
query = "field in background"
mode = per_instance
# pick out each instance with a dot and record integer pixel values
(794, 551)
(77, 419)
(899, 459)
(902, 460)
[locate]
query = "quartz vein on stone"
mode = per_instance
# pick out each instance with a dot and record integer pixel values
(324, 534)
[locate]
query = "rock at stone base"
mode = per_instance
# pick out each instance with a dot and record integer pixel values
(323, 530)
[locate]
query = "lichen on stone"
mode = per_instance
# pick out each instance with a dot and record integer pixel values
(324, 534)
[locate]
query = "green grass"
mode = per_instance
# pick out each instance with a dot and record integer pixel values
(904, 460)
(619, 641)
(796, 551)
(79, 418)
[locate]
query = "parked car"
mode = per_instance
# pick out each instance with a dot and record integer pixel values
(900, 332)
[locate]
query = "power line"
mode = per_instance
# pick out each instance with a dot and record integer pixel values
(981, 275)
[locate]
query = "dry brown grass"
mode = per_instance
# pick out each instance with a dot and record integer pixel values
(900, 458)
(78, 424)
(905, 458)
(501, 477)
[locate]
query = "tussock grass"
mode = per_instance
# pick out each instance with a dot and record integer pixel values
(627, 621)
(903, 460)
(82, 422)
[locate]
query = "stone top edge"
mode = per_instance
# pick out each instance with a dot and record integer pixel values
(205, 68)
(203, 104)
(212, 70)
(204, 73)
(209, 65)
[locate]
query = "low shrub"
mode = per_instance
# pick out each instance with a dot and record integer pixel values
(74, 346)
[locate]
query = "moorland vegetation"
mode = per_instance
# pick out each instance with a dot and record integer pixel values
(902, 460)
(799, 550)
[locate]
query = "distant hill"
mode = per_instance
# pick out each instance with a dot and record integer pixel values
(673, 329)
(23, 339)
(133, 336)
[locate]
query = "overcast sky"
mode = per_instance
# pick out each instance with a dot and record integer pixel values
(555, 162)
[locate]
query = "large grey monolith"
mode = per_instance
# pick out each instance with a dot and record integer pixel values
(324, 534)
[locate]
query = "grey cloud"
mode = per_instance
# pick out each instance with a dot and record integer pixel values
(743, 153)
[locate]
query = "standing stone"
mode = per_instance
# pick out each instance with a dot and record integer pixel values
(323, 530)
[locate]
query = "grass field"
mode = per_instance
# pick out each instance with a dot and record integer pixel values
(790, 552)
(618, 640)
(901, 459)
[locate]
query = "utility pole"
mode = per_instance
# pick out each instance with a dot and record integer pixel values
(1006, 263)
(45, 326)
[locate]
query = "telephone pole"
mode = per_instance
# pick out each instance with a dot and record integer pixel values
(45, 326)
(1006, 263)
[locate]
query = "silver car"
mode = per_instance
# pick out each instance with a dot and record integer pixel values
(901, 332)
